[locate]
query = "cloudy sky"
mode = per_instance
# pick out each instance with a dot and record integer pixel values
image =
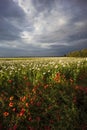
(42, 27)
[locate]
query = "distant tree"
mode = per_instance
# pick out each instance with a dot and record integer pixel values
(80, 53)
(84, 53)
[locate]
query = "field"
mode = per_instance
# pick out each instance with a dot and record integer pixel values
(43, 93)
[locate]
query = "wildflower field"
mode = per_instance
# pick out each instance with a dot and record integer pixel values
(43, 94)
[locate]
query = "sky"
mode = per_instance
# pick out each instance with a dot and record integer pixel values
(42, 27)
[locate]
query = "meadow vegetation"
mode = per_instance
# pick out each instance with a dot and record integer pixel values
(43, 94)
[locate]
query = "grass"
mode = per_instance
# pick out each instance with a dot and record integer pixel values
(43, 93)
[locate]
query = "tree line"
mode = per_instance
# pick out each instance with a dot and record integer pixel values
(78, 53)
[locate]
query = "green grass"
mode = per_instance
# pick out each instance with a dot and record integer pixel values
(43, 93)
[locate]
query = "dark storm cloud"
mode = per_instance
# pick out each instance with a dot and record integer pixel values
(42, 27)
(12, 52)
(8, 8)
(59, 50)
(7, 30)
(10, 11)
(15, 52)
(77, 36)
(78, 9)
(41, 5)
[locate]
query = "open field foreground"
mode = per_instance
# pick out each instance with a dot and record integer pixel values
(43, 94)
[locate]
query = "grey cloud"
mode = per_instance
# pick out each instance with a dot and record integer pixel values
(77, 36)
(41, 25)
(10, 13)
(41, 5)
(69, 30)
(59, 50)
(8, 8)
(11, 52)
(7, 30)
